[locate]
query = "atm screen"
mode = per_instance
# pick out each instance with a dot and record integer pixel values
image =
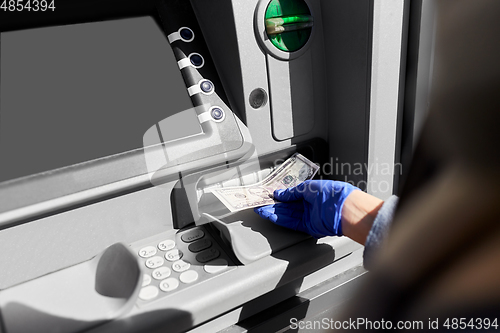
(75, 93)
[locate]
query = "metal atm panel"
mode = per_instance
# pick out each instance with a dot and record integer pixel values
(83, 218)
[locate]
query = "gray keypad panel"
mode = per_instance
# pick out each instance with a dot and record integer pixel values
(173, 261)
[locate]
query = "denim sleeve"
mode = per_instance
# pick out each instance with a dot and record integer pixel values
(379, 231)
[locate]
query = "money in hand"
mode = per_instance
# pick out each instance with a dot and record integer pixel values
(292, 172)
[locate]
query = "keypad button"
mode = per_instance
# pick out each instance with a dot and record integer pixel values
(161, 273)
(188, 277)
(192, 235)
(173, 255)
(181, 266)
(166, 245)
(154, 262)
(200, 245)
(215, 266)
(147, 251)
(207, 255)
(148, 293)
(146, 280)
(169, 284)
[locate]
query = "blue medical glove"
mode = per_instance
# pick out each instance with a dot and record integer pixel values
(314, 207)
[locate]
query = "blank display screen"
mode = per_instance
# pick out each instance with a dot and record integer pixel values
(70, 94)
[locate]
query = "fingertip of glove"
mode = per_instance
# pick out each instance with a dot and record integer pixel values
(278, 193)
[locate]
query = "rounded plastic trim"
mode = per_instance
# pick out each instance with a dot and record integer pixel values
(181, 34)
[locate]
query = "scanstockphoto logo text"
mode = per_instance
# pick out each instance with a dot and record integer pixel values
(379, 173)
(355, 324)
(370, 325)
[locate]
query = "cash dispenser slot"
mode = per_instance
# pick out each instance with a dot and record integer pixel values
(250, 237)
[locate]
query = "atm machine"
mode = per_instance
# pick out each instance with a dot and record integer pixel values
(116, 120)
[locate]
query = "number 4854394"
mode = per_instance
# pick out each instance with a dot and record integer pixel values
(28, 5)
(472, 324)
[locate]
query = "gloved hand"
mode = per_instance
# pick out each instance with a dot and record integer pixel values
(314, 207)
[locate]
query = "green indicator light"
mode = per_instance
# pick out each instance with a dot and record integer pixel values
(288, 24)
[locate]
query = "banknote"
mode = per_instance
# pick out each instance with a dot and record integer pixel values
(292, 172)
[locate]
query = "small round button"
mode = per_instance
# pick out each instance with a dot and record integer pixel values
(147, 251)
(146, 280)
(148, 293)
(200, 245)
(258, 98)
(207, 86)
(181, 266)
(173, 255)
(207, 255)
(188, 277)
(166, 245)
(217, 114)
(197, 60)
(169, 284)
(161, 273)
(192, 235)
(154, 262)
(215, 266)
(186, 34)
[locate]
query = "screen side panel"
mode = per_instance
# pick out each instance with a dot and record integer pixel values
(70, 94)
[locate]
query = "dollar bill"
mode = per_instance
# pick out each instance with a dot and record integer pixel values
(292, 172)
